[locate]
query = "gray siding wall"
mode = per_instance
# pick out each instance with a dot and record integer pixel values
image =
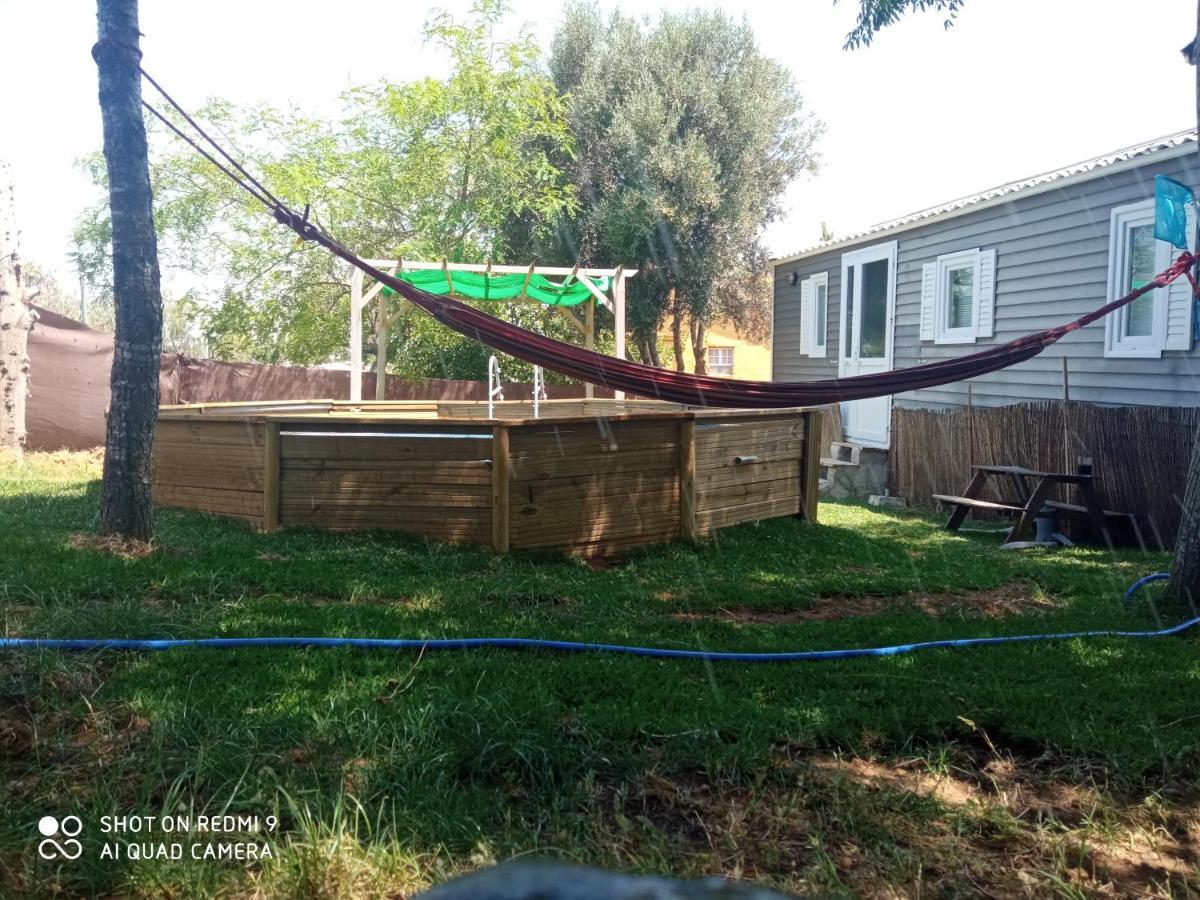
(786, 362)
(1051, 267)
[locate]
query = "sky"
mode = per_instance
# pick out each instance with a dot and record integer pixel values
(922, 116)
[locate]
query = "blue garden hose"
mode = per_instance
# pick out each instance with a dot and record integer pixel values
(1141, 583)
(563, 646)
(504, 643)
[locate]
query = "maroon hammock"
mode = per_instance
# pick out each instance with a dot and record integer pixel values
(705, 390)
(647, 381)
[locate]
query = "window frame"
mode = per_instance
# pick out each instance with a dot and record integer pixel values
(711, 366)
(1122, 220)
(942, 332)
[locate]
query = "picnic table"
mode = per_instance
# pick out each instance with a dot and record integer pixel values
(1034, 491)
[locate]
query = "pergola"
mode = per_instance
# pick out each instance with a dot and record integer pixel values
(613, 300)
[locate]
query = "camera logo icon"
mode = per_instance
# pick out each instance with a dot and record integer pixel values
(50, 828)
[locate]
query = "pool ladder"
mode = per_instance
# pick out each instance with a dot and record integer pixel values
(496, 390)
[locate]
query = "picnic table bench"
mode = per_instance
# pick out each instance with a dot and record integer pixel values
(1034, 490)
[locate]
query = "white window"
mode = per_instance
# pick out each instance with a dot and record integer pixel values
(814, 315)
(720, 360)
(958, 297)
(1159, 320)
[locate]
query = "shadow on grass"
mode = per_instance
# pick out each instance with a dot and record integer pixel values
(520, 751)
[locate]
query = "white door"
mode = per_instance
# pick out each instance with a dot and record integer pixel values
(868, 308)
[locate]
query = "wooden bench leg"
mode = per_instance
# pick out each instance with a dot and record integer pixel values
(1159, 543)
(1137, 532)
(1032, 507)
(1095, 512)
(974, 489)
(1021, 486)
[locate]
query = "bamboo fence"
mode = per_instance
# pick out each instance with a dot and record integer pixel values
(1139, 454)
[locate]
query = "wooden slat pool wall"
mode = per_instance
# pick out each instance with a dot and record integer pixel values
(411, 477)
(214, 467)
(754, 467)
(594, 486)
(591, 486)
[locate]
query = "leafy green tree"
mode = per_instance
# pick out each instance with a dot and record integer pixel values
(686, 137)
(875, 15)
(429, 169)
(180, 331)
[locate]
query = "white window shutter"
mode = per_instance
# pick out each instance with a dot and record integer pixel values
(928, 301)
(819, 341)
(1179, 301)
(987, 293)
(806, 317)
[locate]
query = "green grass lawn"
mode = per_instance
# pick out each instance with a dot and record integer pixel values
(1039, 769)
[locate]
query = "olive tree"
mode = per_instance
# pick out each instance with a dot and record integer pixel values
(686, 137)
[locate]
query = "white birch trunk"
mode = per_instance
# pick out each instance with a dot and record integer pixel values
(16, 319)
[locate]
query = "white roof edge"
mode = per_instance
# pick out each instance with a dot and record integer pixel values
(1167, 147)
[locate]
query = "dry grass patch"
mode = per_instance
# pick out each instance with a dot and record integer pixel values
(907, 776)
(882, 829)
(115, 545)
(1059, 832)
(54, 738)
(1014, 598)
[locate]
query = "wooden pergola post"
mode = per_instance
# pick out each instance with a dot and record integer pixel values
(589, 331)
(619, 317)
(356, 304)
(381, 347)
(589, 340)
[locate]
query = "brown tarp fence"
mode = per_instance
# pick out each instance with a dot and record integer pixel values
(69, 366)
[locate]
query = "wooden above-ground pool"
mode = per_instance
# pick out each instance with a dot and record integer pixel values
(593, 477)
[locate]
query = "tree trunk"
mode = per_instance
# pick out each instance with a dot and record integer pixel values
(699, 351)
(125, 502)
(676, 329)
(1185, 568)
(648, 350)
(16, 318)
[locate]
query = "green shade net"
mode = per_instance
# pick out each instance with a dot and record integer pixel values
(481, 286)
